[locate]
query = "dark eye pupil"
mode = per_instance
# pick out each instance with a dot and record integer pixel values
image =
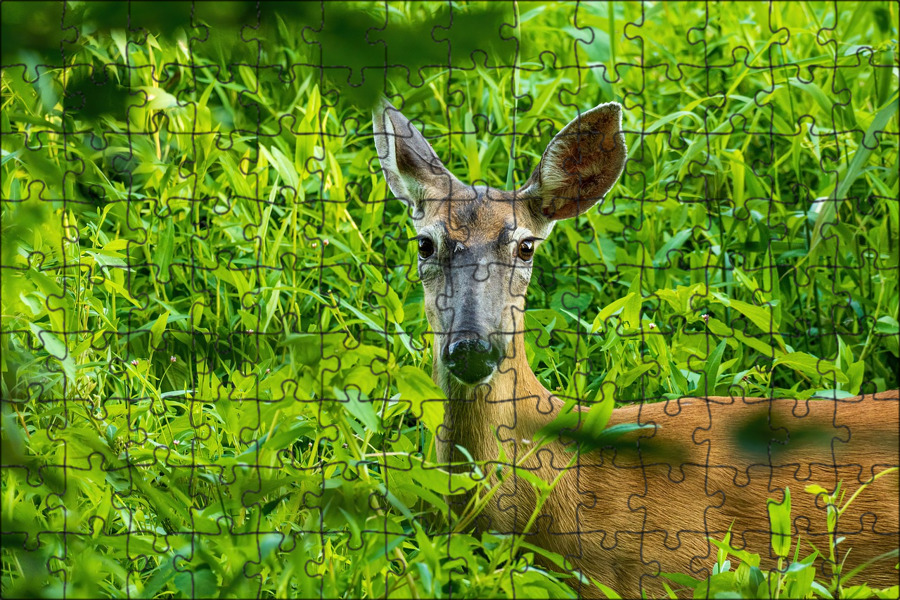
(526, 250)
(426, 247)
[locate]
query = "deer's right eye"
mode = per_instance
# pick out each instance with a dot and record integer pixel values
(426, 247)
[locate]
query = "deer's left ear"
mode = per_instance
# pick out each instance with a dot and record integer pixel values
(580, 164)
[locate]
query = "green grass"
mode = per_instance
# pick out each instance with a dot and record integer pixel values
(215, 355)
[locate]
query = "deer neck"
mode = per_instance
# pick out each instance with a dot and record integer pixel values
(509, 407)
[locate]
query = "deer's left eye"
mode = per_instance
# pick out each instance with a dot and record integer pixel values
(526, 250)
(426, 247)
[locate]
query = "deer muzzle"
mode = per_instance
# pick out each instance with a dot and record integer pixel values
(471, 359)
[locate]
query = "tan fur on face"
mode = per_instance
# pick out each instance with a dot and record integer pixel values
(480, 214)
(476, 233)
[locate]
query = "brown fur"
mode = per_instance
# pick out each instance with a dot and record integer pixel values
(624, 515)
(647, 505)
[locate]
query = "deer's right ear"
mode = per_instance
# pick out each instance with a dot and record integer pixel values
(411, 168)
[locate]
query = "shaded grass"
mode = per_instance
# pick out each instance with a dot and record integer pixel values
(213, 337)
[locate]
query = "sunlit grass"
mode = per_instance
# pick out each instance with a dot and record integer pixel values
(215, 355)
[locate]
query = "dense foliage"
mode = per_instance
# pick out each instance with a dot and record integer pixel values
(215, 356)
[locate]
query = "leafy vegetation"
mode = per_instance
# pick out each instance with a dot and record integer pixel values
(215, 355)
(794, 578)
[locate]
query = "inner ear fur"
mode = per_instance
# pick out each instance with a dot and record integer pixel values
(580, 165)
(411, 167)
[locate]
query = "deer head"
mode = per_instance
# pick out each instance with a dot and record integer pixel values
(476, 243)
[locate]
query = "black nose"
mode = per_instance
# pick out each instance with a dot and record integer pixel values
(471, 360)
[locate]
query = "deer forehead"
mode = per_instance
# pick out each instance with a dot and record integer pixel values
(485, 215)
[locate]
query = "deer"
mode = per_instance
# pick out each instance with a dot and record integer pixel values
(648, 503)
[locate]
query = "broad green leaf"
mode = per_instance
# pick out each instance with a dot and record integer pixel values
(355, 403)
(426, 399)
(708, 379)
(780, 523)
(598, 416)
(55, 348)
(610, 310)
(745, 556)
(816, 489)
(810, 365)
(158, 98)
(720, 329)
(631, 311)
(158, 328)
(165, 249)
(760, 316)
(632, 374)
(682, 579)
